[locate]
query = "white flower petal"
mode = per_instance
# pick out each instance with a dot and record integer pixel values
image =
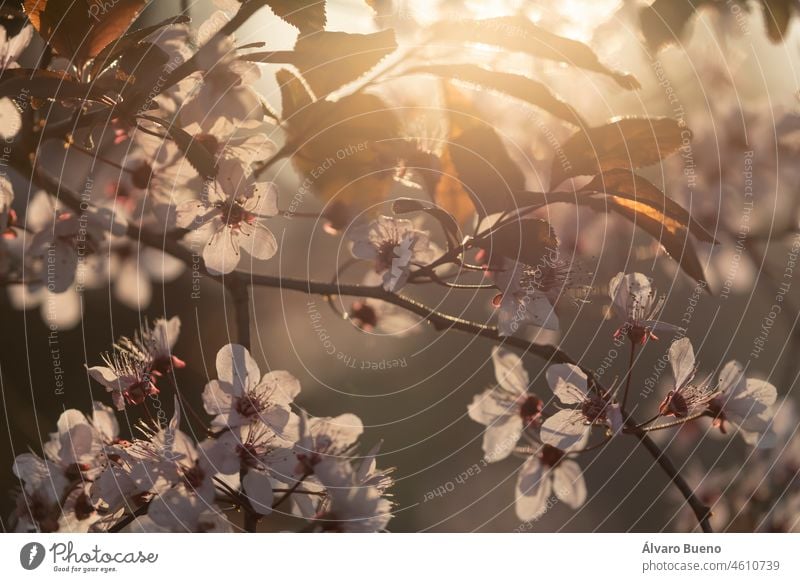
(218, 397)
(221, 252)
(682, 360)
(533, 489)
(568, 483)
(260, 243)
(488, 406)
(565, 430)
(510, 371)
(568, 382)
(281, 387)
(499, 439)
(237, 367)
(258, 488)
(105, 421)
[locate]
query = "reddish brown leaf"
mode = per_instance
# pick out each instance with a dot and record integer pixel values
(623, 184)
(347, 153)
(294, 95)
(666, 21)
(478, 175)
(307, 16)
(517, 33)
(513, 85)
(80, 29)
(670, 233)
(329, 60)
(526, 241)
(625, 143)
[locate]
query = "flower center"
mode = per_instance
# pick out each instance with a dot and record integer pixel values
(674, 405)
(386, 254)
(136, 393)
(364, 315)
(194, 476)
(531, 409)
(250, 404)
(594, 409)
(551, 456)
(234, 214)
(141, 175)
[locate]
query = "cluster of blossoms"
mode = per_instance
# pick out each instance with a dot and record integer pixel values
(259, 454)
(143, 179)
(519, 422)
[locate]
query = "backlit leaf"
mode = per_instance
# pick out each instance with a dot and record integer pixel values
(347, 153)
(526, 241)
(668, 232)
(128, 41)
(777, 14)
(627, 185)
(517, 33)
(329, 60)
(80, 29)
(294, 95)
(476, 166)
(665, 21)
(513, 85)
(643, 204)
(625, 143)
(307, 16)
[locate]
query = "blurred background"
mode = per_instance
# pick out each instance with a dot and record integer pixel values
(737, 91)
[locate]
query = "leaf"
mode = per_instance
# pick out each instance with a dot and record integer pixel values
(486, 171)
(478, 175)
(109, 55)
(625, 143)
(516, 86)
(668, 232)
(196, 153)
(777, 14)
(44, 84)
(665, 21)
(645, 206)
(330, 60)
(79, 30)
(347, 153)
(623, 184)
(517, 33)
(294, 95)
(526, 241)
(144, 62)
(449, 192)
(307, 16)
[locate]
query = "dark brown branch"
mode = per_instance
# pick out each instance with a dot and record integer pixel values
(701, 511)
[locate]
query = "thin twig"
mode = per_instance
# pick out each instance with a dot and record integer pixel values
(289, 493)
(629, 375)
